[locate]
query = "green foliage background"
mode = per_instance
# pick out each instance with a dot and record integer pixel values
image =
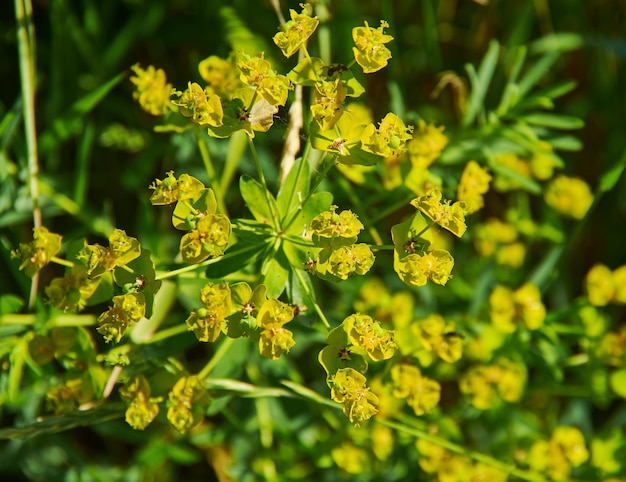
(98, 152)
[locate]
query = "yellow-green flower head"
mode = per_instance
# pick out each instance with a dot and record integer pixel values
(349, 388)
(345, 261)
(438, 336)
(569, 196)
(221, 75)
(187, 403)
(141, 409)
(350, 458)
(391, 136)
(328, 99)
(486, 384)
(448, 216)
(367, 333)
(556, 458)
(542, 163)
(126, 310)
(275, 340)
(295, 32)
(427, 144)
(508, 308)
(204, 107)
(254, 69)
(68, 397)
(422, 394)
(208, 240)
(72, 291)
(329, 224)
(491, 234)
(416, 270)
(170, 190)
(274, 89)
(432, 456)
(274, 312)
(370, 51)
(611, 348)
(153, 92)
(38, 253)
(473, 184)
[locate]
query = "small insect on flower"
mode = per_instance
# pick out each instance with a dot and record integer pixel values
(334, 68)
(337, 145)
(310, 265)
(140, 283)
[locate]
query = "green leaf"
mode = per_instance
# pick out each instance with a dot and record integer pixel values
(259, 201)
(554, 121)
(316, 204)
(612, 175)
(526, 183)
(275, 272)
(557, 42)
(10, 304)
(236, 258)
(480, 83)
(536, 72)
(566, 143)
(617, 381)
(60, 423)
(294, 189)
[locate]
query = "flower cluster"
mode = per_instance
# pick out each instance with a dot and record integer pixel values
(605, 286)
(186, 403)
(370, 51)
(295, 32)
(451, 467)
(501, 240)
(487, 384)
(473, 184)
(142, 409)
(422, 394)
(207, 323)
(127, 310)
(569, 196)
(509, 307)
(556, 457)
(208, 233)
(349, 389)
(153, 92)
(38, 253)
(340, 257)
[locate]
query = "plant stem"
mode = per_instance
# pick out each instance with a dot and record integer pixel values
(211, 174)
(28, 70)
(257, 163)
(316, 307)
(219, 354)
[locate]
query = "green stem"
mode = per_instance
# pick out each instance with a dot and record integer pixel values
(28, 71)
(257, 163)
(211, 174)
(62, 262)
(452, 447)
(168, 333)
(311, 296)
(219, 354)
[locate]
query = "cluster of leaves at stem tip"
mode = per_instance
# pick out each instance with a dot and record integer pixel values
(299, 234)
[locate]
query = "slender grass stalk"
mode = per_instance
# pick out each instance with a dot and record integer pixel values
(211, 174)
(26, 43)
(219, 354)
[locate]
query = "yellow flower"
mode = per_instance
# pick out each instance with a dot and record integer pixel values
(350, 458)
(296, 31)
(153, 92)
(427, 144)
(450, 217)
(359, 403)
(438, 336)
(416, 270)
(486, 384)
(221, 75)
(38, 253)
(524, 305)
(204, 107)
(370, 51)
(473, 184)
(556, 457)
(422, 394)
(390, 136)
(605, 286)
(517, 167)
(329, 97)
(569, 196)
